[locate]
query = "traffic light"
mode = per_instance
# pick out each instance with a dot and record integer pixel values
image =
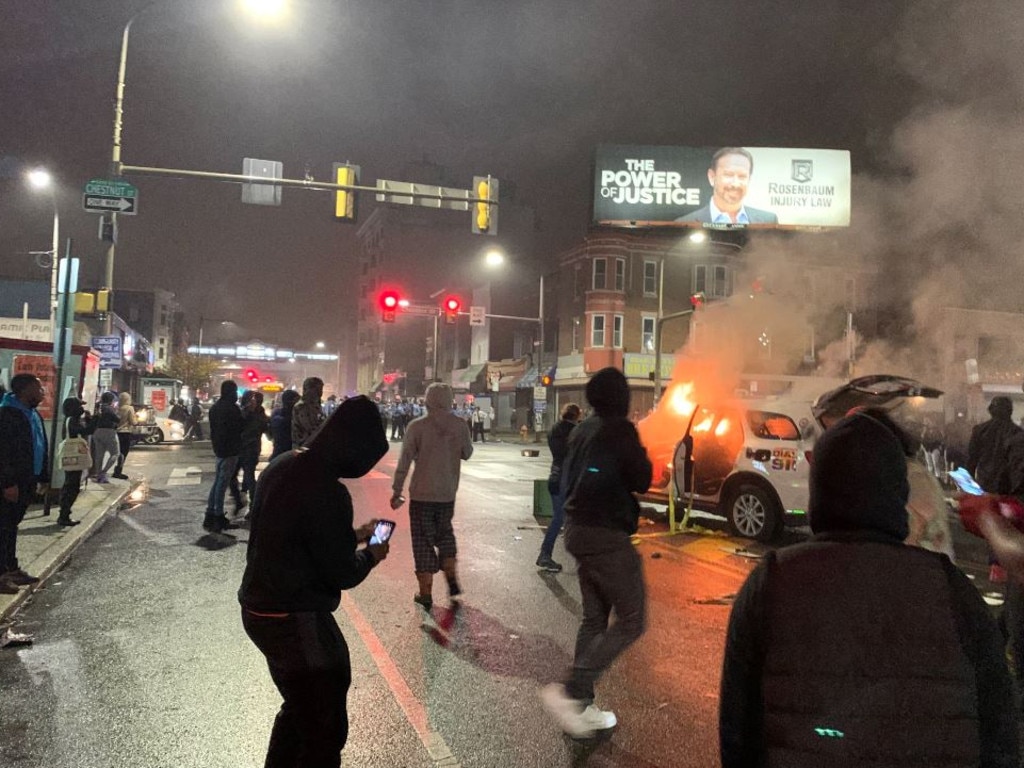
(451, 309)
(548, 378)
(485, 215)
(345, 200)
(252, 375)
(388, 306)
(697, 301)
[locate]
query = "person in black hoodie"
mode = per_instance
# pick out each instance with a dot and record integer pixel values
(281, 423)
(558, 444)
(853, 649)
(302, 554)
(605, 464)
(987, 452)
(226, 424)
(77, 423)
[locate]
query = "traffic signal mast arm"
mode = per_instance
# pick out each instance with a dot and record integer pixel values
(466, 196)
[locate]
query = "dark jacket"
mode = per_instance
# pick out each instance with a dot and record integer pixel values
(558, 444)
(226, 427)
(302, 548)
(74, 423)
(16, 447)
(254, 425)
(605, 464)
(853, 649)
(107, 417)
(988, 451)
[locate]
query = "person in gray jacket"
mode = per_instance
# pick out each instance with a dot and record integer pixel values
(437, 443)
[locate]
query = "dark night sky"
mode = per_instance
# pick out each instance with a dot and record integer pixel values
(521, 89)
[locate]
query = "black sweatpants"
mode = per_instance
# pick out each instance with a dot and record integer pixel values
(309, 663)
(611, 577)
(11, 515)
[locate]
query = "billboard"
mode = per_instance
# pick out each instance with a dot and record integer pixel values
(721, 187)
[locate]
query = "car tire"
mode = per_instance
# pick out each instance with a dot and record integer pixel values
(753, 513)
(154, 438)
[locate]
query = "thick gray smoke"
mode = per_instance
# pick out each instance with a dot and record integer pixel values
(942, 229)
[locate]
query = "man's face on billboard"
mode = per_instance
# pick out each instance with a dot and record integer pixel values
(729, 179)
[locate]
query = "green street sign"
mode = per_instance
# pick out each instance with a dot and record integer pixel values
(105, 195)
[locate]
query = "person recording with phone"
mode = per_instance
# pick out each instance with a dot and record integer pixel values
(303, 551)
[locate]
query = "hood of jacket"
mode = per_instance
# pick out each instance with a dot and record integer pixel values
(859, 479)
(124, 398)
(351, 441)
(439, 397)
(72, 408)
(608, 393)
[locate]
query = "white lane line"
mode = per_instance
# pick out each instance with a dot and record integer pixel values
(155, 537)
(414, 710)
(185, 476)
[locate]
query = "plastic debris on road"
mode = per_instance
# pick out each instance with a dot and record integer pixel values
(12, 639)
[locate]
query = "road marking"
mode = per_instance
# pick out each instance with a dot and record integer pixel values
(185, 476)
(414, 711)
(160, 539)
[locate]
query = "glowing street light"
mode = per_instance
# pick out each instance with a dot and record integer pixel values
(268, 10)
(39, 178)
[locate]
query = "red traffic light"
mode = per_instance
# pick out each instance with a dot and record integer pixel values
(251, 375)
(451, 309)
(389, 301)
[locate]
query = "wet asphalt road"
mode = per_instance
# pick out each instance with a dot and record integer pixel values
(140, 659)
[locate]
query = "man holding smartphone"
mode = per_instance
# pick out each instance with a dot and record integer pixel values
(303, 551)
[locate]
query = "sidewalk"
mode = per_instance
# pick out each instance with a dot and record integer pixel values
(44, 546)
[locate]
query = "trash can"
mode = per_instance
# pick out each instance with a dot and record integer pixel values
(541, 499)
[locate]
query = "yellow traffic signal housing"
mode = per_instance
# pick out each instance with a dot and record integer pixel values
(345, 200)
(85, 303)
(485, 214)
(103, 300)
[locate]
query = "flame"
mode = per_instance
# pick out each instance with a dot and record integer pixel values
(704, 426)
(680, 398)
(722, 428)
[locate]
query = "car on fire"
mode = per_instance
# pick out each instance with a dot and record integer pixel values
(748, 459)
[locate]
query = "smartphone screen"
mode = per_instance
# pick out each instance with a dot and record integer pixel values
(383, 531)
(965, 482)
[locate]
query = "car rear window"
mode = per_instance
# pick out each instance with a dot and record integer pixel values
(772, 426)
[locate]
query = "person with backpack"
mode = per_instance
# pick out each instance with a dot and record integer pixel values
(77, 423)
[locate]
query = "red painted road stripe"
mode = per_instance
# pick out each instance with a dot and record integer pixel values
(414, 710)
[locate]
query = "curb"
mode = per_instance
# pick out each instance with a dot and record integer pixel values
(50, 560)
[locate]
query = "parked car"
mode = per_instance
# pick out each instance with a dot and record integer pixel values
(748, 460)
(152, 430)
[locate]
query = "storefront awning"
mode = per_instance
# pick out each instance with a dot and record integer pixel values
(465, 378)
(530, 379)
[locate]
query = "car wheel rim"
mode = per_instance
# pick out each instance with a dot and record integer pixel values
(749, 515)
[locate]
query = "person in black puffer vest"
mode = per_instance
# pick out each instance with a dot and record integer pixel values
(853, 649)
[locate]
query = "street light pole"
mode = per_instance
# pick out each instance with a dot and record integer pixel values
(115, 169)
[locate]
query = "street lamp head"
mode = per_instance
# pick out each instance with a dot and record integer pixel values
(39, 178)
(494, 258)
(268, 10)
(320, 345)
(698, 237)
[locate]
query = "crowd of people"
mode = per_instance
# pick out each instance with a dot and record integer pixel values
(865, 644)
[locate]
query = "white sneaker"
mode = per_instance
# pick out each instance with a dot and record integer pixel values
(600, 719)
(571, 715)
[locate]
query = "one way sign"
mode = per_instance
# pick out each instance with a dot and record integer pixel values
(102, 196)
